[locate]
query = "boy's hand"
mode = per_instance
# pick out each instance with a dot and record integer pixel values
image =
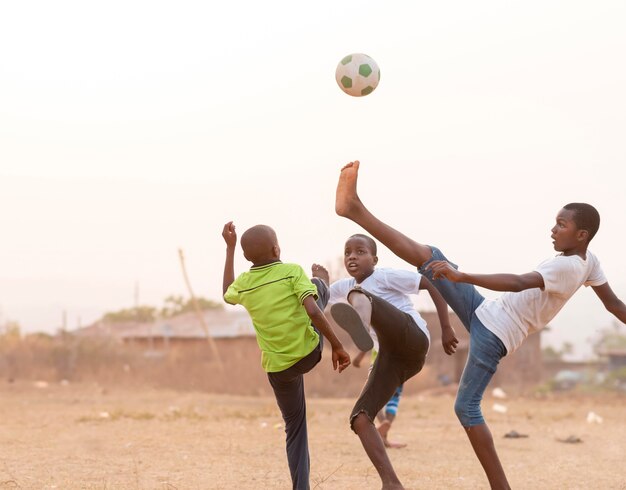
(448, 339)
(229, 234)
(341, 359)
(442, 268)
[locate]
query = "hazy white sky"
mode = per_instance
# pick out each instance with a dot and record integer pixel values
(131, 128)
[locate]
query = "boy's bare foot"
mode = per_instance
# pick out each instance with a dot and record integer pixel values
(346, 199)
(394, 445)
(320, 272)
(383, 430)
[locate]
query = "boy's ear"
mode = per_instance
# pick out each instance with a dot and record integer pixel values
(276, 251)
(582, 235)
(375, 259)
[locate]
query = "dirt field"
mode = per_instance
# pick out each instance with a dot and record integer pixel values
(84, 436)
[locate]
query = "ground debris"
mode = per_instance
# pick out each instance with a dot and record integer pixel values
(571, 439)
(513, 434)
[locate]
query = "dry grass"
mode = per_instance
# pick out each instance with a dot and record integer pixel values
(83, 436)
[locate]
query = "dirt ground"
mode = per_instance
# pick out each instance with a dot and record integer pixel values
(67, 436)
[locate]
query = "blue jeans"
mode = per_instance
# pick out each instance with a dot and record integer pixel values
(485, 350)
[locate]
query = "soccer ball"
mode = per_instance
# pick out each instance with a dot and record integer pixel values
(357, 74)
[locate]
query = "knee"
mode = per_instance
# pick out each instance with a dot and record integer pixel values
(468, 413)
(323, 293)
(360, 421)
(462, 411)
(357, 298)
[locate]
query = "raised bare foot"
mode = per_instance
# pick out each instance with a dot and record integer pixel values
(346, 199)
(321, 272)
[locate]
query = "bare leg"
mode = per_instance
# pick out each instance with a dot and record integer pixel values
(362, 305)
(375, 449)
(482, 442)
(348, 205)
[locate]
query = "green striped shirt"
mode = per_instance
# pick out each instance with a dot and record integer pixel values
(273, 295)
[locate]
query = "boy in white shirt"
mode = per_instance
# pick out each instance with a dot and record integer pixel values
(379, 299)
(496, 327)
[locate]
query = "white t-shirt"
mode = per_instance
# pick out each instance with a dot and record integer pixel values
(515, 315)
(392, 285)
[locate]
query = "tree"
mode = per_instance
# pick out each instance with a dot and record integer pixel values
(613, 337)
(12, 330)
(176, 305)
(173, 306)
(140, 314)
(551, 354)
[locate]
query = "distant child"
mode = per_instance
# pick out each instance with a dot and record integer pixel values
(280, 299)
(379, 298)
(496, 327)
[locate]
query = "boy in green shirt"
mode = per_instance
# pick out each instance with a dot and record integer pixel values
(281, 301)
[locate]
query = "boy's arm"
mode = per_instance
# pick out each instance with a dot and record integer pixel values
(356, 360)
(340, 357)
(610, 301)
(448, 335)
(230, 237)
(495, 282)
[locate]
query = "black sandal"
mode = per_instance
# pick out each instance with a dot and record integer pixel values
(347, 318)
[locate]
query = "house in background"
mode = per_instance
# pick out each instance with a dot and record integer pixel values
(181, 330)
(517, 372)
(616, 358)
(182, 341)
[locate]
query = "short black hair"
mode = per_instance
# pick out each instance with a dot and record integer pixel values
(586, 217)
(369, 240)
(257, 243)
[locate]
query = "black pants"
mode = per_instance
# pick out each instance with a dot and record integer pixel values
(288, 386)
(401, 355)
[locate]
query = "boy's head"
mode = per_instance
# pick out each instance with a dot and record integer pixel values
(359, 256)
(260, 245)
(585, 216)
(576, 224)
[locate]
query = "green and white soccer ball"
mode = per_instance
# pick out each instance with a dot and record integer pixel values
(357, 74)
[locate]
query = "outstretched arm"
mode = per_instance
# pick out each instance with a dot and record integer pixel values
(341, 358)
(448, 335)
(495, 282)
(610, 301)
(230, 237)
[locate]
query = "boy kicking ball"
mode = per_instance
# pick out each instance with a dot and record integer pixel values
(496, 327)
(378, 299)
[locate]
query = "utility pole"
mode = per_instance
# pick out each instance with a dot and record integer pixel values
(199, 314)
(136, 294)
